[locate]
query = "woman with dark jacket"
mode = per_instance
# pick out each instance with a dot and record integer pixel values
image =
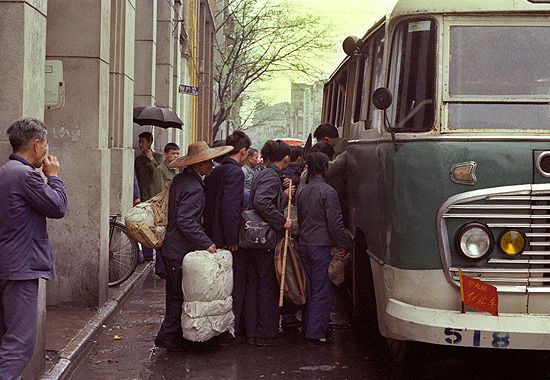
(269, 200)
(321, 229)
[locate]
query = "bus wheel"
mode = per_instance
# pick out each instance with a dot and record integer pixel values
(364, 298)
(398, 350)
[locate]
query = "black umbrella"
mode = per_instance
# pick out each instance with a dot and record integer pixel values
(157, 116)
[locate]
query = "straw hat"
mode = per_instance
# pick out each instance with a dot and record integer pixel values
(198, 152)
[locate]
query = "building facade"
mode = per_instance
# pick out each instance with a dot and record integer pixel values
(115, 55)
(305, 108)
(269, 122)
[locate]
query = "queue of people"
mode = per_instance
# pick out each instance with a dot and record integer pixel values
(204, 210)
(204, 213)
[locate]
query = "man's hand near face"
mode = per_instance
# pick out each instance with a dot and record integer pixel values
(148, 153)
(50, 166)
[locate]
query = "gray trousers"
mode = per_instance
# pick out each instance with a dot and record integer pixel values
(18, 325)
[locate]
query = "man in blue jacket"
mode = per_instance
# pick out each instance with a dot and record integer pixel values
(25, 252)
(184, 234)
(222, 217)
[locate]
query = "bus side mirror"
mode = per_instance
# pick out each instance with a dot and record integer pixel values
(351, 45)
(381, 98)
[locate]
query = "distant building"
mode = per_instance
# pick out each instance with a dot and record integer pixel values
(305, 108)
(269, 122)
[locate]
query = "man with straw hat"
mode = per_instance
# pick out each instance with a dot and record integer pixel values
(184, 233)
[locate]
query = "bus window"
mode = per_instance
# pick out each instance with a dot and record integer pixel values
(377, 80)
(342, 85)
(359, 77)
(484, 76)
(412, 77)
(365, 86)
(482, 65)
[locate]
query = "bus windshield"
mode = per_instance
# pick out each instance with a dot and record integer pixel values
(499, 61)
(499, 77)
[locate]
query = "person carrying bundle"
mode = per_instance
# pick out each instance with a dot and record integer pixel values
(184, 234)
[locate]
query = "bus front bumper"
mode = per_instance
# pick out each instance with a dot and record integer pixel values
(471, 329)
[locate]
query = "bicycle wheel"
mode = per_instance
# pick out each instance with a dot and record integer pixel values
(123, 254)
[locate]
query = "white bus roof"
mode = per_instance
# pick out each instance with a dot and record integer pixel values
(411, 7)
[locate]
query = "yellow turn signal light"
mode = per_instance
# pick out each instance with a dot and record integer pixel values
(512, 242)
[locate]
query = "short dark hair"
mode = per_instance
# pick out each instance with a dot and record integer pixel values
(238, 140)
(317, 163)
(323, 147)
(146, 135)
(325, 130)
(171, 146)
(251, 152)
(22, 131)
(296, 152)
(274, 151)
(217, 143)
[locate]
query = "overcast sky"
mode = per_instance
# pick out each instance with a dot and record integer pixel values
(348, 17)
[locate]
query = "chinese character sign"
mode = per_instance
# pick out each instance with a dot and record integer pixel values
(478, 295)
(191, 90)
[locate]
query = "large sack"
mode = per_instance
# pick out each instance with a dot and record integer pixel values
(295, 277)
(207, 283)
(146, 222)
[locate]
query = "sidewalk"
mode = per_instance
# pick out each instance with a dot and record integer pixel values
(70, 328)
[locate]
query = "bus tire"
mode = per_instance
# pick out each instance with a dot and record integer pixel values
(364, 297)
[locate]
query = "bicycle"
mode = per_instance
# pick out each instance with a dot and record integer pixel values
(123, 252)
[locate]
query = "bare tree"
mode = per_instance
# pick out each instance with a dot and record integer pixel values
(259, 38)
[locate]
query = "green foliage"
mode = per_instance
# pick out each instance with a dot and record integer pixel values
(259, 38)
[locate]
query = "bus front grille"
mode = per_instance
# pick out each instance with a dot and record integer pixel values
(525, 208)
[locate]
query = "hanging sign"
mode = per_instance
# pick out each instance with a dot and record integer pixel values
(191, 90)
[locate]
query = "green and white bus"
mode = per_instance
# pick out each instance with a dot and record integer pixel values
(450, 170)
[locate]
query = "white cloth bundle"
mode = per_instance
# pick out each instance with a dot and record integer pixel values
(146, 222)
(207, 283)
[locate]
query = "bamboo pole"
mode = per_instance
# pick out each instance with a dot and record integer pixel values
(287, 238)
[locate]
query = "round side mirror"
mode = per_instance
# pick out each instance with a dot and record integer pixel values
(381, 98)
(349, 45)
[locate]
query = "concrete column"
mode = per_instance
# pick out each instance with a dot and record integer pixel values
(202, 103)
(145, 58)
(165, 66)
(176, 134)
(186, 105)
(205, 58)
(23, 43)
(78, 34)
(121, 99)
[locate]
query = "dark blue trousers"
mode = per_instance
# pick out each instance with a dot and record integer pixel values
(18, 325)
(315, 260)
(170, 331)
(147, 252)
(262, 295)
(239, 289)
(159, 263)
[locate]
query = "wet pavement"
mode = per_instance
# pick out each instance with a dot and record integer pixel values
(125, 350)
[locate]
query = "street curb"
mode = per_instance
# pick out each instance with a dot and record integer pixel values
(79, 343)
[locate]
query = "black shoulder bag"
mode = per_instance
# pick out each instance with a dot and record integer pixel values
(255, 233)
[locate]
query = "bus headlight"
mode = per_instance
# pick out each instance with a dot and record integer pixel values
(474, 241)
(511, 242)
